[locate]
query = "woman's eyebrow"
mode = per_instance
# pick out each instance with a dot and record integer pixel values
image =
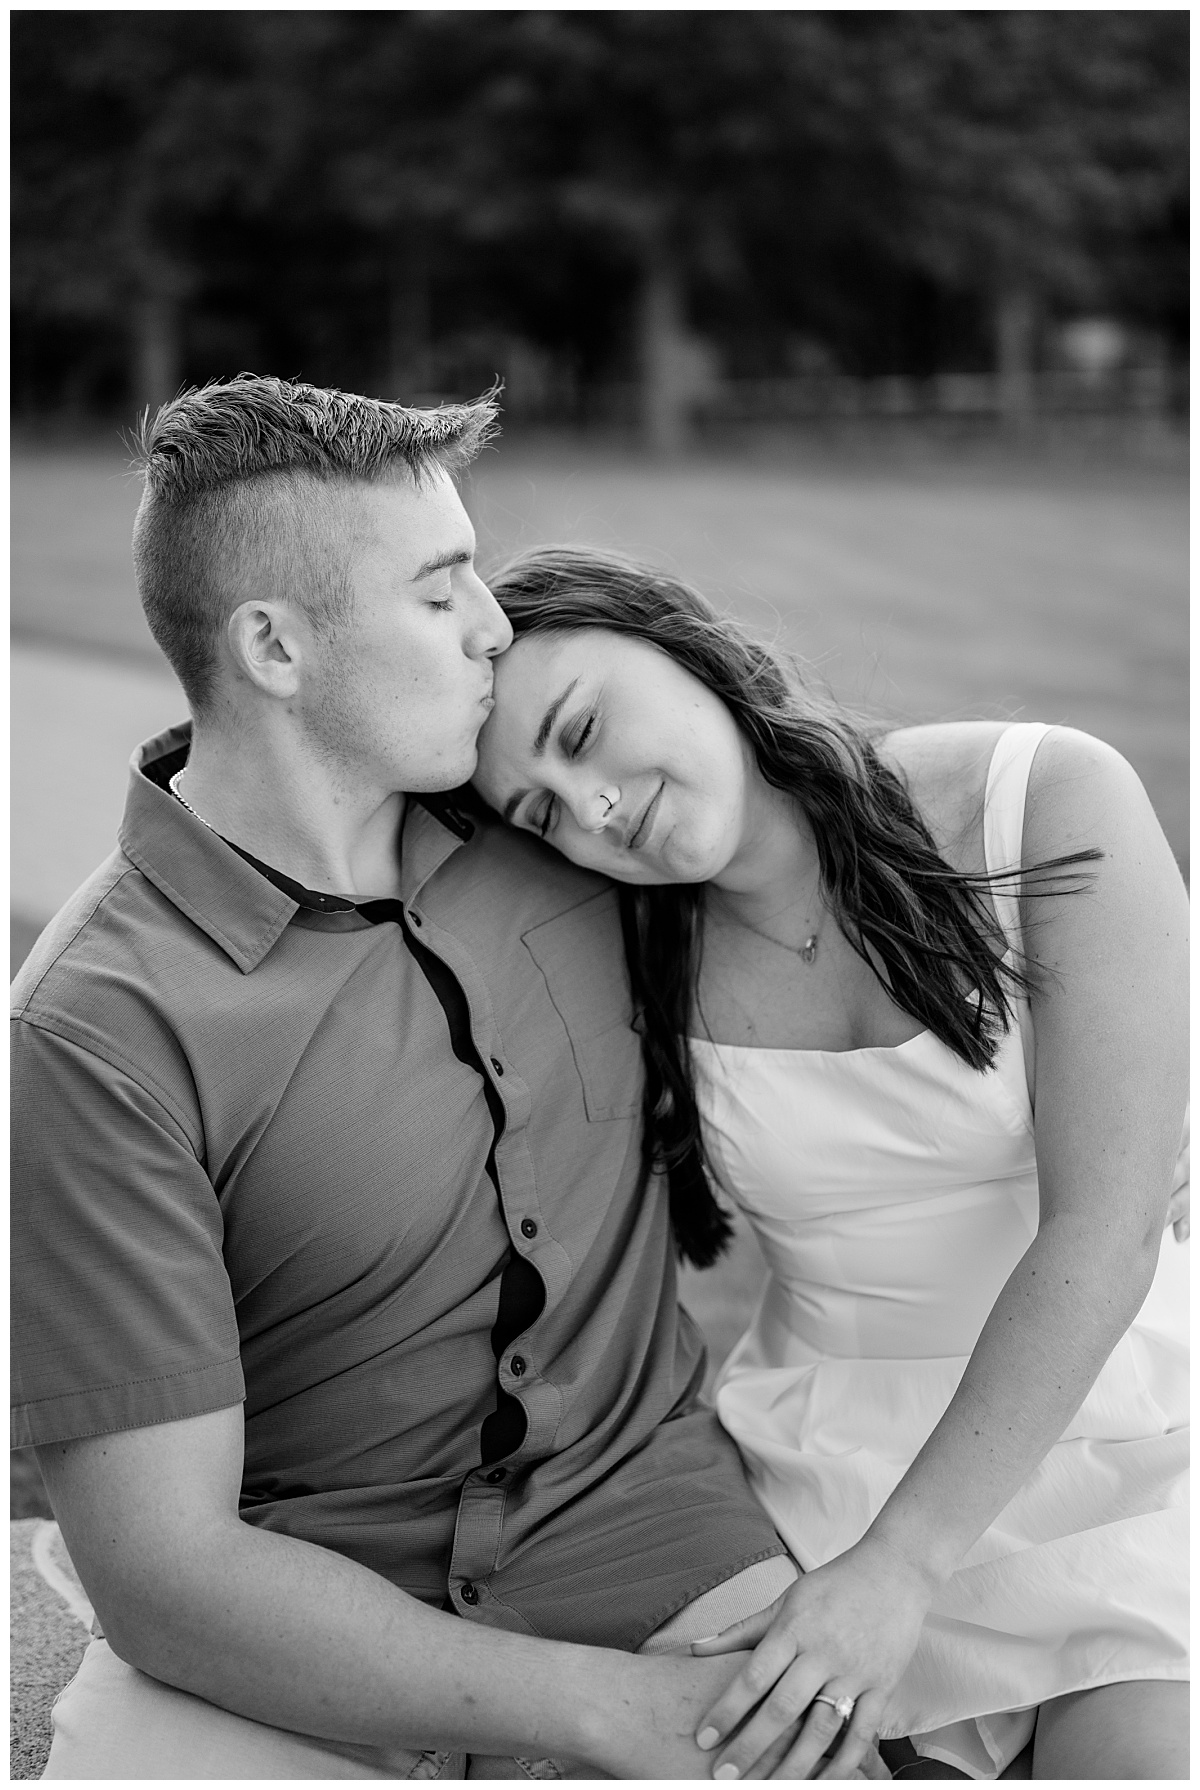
(540, 741)
(549, 718)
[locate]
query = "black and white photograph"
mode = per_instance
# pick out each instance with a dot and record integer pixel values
(599, 1097)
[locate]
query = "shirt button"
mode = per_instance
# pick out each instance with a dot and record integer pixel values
(469, 1594)
(496, 1475)
(498, 1066)
(517, 1366)
(529, 1227)
(415, 918)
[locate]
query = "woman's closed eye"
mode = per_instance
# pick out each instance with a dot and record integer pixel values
(544, 815)
(576, 737)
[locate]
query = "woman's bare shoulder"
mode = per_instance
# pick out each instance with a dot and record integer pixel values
(1082, 793)
(1078, 785)
(944, 767)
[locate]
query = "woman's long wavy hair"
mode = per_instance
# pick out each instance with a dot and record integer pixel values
(898, 902)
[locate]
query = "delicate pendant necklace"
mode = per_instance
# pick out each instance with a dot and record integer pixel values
(807, 952)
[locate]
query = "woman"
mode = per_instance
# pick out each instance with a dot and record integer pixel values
(864, 968)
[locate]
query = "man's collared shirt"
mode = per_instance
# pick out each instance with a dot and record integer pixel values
(378, 1176)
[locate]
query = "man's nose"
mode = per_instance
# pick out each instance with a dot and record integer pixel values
(492, 633)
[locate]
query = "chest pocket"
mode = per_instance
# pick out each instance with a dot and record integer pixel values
(581, 956)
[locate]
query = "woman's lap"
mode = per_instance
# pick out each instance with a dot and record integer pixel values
(1138, 1728)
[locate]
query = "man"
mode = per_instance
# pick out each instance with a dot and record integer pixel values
(367, 1160)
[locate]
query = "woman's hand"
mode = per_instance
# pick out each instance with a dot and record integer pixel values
(848, 1629)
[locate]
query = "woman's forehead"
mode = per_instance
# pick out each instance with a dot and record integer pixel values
(571, 650)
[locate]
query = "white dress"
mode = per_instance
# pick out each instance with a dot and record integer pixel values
(893, 1191)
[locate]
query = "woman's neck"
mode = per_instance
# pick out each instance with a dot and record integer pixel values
(777, 867)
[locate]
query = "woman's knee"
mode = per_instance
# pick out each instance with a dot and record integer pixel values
(1135, 1729)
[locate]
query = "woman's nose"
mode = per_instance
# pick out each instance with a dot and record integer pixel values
(594, 806)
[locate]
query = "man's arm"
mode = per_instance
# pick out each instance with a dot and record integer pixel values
(299, 1637)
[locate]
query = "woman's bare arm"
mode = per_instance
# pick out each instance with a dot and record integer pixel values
(1111, 1086)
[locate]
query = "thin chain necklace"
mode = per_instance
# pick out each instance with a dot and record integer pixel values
(173, 786)
(807, 952)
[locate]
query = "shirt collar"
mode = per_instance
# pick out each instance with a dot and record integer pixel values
(243, 905)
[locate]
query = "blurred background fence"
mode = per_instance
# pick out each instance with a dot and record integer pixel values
(874, 324)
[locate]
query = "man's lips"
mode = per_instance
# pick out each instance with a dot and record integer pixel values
(642, 831)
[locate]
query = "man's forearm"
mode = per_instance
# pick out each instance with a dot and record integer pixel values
(301, 1638)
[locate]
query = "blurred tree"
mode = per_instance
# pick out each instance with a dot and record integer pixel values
(126, 127)
(655, 131)
(340, 192)
(389, 108)
(1026, 148)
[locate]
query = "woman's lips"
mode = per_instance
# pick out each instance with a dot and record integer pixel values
(641, 832)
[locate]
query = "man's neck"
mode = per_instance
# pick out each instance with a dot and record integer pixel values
(290, 810)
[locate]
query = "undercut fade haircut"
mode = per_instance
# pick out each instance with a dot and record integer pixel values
(245, 484)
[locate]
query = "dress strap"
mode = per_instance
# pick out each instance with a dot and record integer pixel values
(1004, 816)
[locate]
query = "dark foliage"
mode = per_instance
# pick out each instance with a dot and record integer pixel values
(389, 200)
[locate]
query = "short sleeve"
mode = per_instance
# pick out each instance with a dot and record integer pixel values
(122, 1312)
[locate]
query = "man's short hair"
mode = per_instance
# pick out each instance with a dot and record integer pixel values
(244, 497)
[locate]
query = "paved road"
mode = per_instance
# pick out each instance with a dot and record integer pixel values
(76, 718)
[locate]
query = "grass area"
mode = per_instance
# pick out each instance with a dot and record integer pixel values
(919, 586)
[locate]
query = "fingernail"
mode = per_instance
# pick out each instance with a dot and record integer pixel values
(727, 1771)
(703, 1640)
(707, 1739)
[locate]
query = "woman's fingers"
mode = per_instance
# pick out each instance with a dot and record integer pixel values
(762, 1671)
(826, 1734)
(872, 1765)
(786, 1702)
(856, 1749)
(764, 1765)
(744, 1634)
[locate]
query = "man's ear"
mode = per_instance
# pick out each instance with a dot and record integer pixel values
(266, 644)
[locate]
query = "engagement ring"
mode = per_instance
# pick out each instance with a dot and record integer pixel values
(843, 1707)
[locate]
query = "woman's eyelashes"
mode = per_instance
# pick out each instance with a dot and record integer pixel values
(578, 735)
(572, 741)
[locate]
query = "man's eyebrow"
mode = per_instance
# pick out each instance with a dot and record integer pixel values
(539, 745)
(440, 561)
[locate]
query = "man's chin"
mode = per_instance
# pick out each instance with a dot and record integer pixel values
(451, 775)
